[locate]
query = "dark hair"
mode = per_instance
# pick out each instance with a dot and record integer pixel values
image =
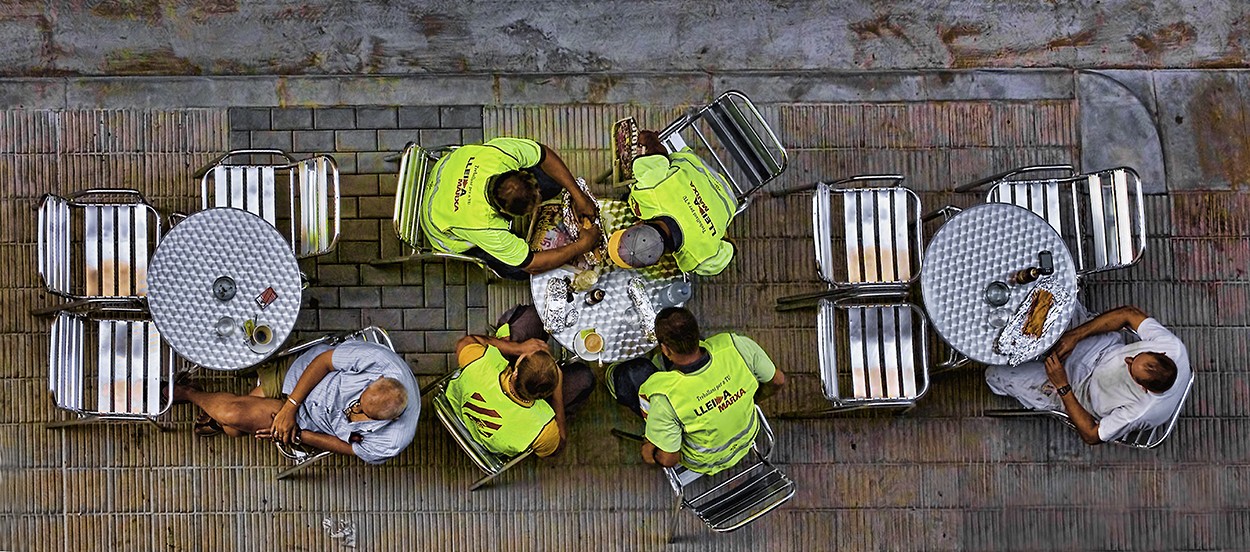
(536, 376)
(677, 329)
(1160, 373)
(513, 193)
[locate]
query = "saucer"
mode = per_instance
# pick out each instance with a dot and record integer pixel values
(263, 349)
(579, 347)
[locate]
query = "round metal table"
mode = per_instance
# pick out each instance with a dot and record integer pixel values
(187, 263)
(980, 245)
(615, 317)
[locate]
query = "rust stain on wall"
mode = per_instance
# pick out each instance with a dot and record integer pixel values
(204, 9)
(149, 10)
(965, 55)
(162, 61)
(1221, 142)
(877, 28)
(1159, 41)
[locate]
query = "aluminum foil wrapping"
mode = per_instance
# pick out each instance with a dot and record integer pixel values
(1013, 342)
(574, 227)
(557, 315)
(642, 303)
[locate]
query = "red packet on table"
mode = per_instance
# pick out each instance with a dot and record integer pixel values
(266, 298)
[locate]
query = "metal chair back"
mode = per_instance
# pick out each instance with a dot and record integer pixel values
(104, 367)
(872, 355)
(732, 133)
(489, 462)
(881, 233)
(1100, 215)
(415, 165)
(748, 491)
(300, 198)
(94, 247)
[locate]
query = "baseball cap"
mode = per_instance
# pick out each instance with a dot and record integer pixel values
(635, 247)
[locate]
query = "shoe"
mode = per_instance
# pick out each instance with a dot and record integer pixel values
(206, 426)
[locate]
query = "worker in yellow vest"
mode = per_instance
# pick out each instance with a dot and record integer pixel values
(511, 394)
(475, 191)
(685, 208)
(697, 395)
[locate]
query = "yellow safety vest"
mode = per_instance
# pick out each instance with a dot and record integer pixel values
(495, 420)
(715, 406)
(456, 195)
(697, 198)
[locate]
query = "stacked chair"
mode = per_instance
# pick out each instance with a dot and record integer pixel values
(873, 343)
(106, 359)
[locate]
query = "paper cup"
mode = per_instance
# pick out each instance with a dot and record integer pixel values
(262, 335)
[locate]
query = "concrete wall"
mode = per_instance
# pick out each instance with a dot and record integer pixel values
(317, 37)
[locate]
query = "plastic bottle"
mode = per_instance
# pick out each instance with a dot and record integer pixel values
(675, 294)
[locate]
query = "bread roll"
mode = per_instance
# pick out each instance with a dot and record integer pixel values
(1042, 302)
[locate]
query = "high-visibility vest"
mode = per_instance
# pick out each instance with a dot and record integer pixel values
(716, 406)
(456, 195)
(495, 420)
(697, 198)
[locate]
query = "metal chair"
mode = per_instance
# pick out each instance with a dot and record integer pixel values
(310, 187)
(304, 455)
(872, 354)
(1147, 438)
(737, 496)
(1100, 215)
(129, 377)
(880, 245)
(94, 247)
(755, 155)
(415, 165)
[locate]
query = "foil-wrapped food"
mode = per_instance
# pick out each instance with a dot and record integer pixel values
(1021, 338)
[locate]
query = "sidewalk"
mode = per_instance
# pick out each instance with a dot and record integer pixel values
(941, 477)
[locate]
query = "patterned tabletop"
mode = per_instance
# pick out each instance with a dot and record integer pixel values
(191, 258)
(980, 245)
(625, 320)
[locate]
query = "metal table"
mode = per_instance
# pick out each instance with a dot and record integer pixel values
(615, 317)
(983, 244)
(191, 258)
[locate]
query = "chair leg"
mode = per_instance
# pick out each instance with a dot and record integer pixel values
(807, 414)
(301, 465)
(394, 260)
(1013, 412)
(672, 522)
(80, 420)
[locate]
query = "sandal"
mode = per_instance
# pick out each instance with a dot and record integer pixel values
(206, 426)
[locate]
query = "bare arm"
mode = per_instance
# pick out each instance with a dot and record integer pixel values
(283, 427)
(506, 347)
(558, 171)
(1110, 321)
(770, 387)
(1085, 423)
(652, 454)
(553, 258)
(317, 440)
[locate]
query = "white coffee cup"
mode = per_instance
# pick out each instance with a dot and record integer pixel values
(262, 335)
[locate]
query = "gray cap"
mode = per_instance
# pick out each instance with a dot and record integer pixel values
(637, 246)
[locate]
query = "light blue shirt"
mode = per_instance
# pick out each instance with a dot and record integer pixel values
(356, 365)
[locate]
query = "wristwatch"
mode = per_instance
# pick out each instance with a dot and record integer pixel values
(1064, 390)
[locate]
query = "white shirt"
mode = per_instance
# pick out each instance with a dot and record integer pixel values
(1109, 392)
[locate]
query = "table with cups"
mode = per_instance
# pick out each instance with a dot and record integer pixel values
(970, 292)
(599, 303)
(224, 289)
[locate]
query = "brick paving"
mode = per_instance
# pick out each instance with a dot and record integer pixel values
(941, 477)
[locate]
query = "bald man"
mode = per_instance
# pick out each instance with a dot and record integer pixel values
(358, 399)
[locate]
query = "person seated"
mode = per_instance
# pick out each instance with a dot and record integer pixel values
(511, 394)
(475, 191)
(696, 395)
(1107, 387)
(685, 208)
(357, 399)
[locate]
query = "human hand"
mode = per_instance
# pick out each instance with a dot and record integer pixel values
(589, 237)
(1064, 346)
(583, 206)
(648, 452)
(283, 427)
(532, 345)
(1055, 372)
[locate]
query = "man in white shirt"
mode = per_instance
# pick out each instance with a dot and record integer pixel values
(1107, 387)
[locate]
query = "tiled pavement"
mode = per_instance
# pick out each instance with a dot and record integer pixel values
(942, 477)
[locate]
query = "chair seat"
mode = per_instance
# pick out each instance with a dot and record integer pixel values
(872, 354)
(746, 496)
(105, 367)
